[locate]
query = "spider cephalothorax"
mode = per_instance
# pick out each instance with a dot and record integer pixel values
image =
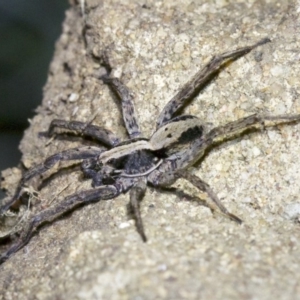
(177, 143)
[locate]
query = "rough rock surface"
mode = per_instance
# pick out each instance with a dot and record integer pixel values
(95, 252)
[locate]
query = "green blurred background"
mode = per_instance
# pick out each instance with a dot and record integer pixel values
(28, 31)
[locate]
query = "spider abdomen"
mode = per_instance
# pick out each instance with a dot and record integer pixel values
(176, 134)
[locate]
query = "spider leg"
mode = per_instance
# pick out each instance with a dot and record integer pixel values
(70, 154)
(165, 178)
(100, 134)
(200, 79)
(126, 97)
(196, 150)
(215, 204)
(243, 124)
(48, 215)
(136, 194)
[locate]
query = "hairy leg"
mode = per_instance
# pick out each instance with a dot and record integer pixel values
(136, 194)
(200, 79)
(165, 179)
(100, 134)
(197, 149)
(70, 154)
(216, 204)
(48, 215)
(126, 97)
(243, 124)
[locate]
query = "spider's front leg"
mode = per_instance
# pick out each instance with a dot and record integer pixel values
(70, 154)
(100, 134)
(126, 96)
(136, 194)
(48, 215)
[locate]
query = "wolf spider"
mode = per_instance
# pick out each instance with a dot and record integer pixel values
(177, 143)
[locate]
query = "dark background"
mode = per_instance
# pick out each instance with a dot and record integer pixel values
(28, 31)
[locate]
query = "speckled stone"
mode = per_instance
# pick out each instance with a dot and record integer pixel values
(95, 252)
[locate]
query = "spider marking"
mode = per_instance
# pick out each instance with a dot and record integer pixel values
(177, 143)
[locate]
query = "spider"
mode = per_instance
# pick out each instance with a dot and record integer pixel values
(177, 144)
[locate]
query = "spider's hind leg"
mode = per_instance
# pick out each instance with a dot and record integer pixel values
(200, 79)
(126, 97)
(215, 204)
(240, 125)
